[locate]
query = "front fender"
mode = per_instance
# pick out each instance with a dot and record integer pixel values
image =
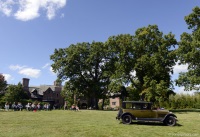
(168, 115)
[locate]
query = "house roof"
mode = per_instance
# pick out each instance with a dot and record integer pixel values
(42, 88)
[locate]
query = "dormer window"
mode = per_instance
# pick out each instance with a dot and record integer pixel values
(34, 92)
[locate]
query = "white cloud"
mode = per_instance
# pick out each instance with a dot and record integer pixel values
(35, 73)
(51, 70)
(46, 65)
(8, 77)
(30, 9)
(180, 68)
(16, 67)
(27, 71)
(6, 7)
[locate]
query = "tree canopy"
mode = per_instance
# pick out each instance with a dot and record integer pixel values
(86, 67)
(3, 82)
(15, 93)
(189, 52)
(144, 60)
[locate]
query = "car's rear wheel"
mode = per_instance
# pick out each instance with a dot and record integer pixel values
(170, 121)
(127, 119)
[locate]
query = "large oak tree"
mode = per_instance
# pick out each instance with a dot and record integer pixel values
(146, 61)
(86, 68)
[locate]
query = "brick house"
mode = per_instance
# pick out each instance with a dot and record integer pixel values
(51, 94)
(114, 102)
(45, 93)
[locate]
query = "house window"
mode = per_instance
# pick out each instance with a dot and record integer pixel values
(113, 103)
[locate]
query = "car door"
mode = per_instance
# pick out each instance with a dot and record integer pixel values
(133, 108)
(146, 111)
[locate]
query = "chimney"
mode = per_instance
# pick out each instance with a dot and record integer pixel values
(57, 83)
(25, 83)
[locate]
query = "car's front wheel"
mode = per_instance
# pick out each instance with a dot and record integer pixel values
(127, 119)
(170, 121)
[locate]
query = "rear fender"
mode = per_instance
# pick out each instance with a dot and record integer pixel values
(127, 113)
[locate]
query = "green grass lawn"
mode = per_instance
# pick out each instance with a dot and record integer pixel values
(90, 123)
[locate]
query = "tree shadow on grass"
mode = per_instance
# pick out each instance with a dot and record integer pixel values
(184, 110)
(150, 124)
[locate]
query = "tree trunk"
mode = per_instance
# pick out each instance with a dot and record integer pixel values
(103, 103)
(96, 103)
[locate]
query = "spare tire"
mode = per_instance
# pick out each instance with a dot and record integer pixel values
(120, 112)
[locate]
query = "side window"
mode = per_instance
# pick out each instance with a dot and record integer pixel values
(128, 105)
(134, 106)
(146, 106)
(137, 106)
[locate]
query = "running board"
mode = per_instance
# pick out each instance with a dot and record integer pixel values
(149, 119)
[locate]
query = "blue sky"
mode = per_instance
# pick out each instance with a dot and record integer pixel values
(30, 30)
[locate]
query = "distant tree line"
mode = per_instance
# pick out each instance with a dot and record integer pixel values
(11, 93)
(182, 101)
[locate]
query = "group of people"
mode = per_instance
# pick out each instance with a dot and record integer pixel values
(38, 106)
(16, 106)
(29, 106)
(74, 107)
